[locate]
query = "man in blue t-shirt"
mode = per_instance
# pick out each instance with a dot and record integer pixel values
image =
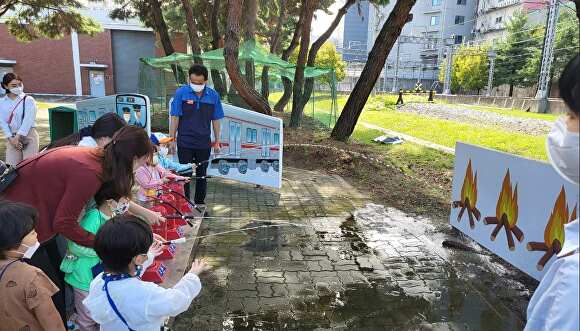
(195, 109)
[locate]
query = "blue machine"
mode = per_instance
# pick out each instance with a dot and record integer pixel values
(134, 108)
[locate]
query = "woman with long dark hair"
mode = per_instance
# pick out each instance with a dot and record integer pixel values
(60, 182)
(17, 120)
(97, 135)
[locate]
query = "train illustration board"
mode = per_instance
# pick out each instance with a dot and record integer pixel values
(251, 148)
(134, 108)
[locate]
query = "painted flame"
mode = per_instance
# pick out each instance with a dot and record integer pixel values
(469, 188)
(574, 215)
(507, 202)
(559, 217)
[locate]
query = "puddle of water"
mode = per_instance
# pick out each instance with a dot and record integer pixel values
(445, 300)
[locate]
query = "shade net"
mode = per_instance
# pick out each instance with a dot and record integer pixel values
(159, 77)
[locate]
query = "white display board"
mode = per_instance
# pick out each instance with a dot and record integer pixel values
(515, 207)
(251, 148)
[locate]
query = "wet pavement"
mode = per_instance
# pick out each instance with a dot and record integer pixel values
(341, 264)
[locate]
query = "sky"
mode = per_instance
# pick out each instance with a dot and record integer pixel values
(322, 22)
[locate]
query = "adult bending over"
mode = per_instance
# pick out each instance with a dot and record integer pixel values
(17, 120)
(97, 135)
(60, 182)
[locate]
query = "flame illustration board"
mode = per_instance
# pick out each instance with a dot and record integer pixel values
(506, 213)
(554, 232)
(468, 198)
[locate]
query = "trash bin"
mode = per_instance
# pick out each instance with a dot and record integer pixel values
(62, 121)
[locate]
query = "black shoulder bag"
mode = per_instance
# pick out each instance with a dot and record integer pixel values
(9, 173)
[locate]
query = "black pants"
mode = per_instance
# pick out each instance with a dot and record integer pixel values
(48, 259)
(199, 157)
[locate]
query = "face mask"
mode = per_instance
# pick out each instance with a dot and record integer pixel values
(563, 151)
(163, 151)
(197, 87)
(155, 159)
(30, 250)
(17, 90)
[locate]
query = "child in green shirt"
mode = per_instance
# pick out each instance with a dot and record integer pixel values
(79, 260)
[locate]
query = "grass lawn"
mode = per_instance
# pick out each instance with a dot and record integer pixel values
(409, 157)
(447, 133)
(380, 111)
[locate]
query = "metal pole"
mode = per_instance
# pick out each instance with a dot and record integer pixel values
(547, 57)
(395, 78)
(447, 84)
(491, 56)
(385, 72)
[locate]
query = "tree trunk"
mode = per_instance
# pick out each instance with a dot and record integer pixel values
(309, 84)
(191, 29)
(250, 96)
(281, 104)
(511, 92)
(577, 3)
(274, 45)
(250, 18)
(219, 82)
(389, 33)
(161, 26)
(165, 38)
(308, 7)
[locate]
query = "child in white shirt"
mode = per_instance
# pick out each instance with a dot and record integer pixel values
(118, 299)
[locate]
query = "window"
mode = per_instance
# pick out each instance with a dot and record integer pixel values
(266, 136)
(459, 19)
(251, 136)
(462, 2)
(434, 20)
(435, 3)
(458, 39)
(498, 19)
(276, 139)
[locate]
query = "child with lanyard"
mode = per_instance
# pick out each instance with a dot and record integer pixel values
(80, 262)
(118, 299)
(151, 176)
(25, 302)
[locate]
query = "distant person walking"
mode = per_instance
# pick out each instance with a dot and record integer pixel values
(17, 120)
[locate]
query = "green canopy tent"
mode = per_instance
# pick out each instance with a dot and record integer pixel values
(157, 76)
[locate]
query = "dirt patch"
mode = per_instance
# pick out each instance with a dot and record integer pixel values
(369, 171)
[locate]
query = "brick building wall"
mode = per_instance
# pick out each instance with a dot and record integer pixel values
(97, 49)
(46, 66)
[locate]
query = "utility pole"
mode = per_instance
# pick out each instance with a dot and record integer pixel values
(396, 77)
(385, 75)
(547, 57)
(447, 83)
(491, 55)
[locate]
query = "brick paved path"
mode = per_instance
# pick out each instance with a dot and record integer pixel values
(378, 270)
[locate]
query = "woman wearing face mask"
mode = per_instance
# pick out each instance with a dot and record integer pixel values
(60, 182)
(25, 302)
(555, 303)
(97, 135)
(17, 120)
